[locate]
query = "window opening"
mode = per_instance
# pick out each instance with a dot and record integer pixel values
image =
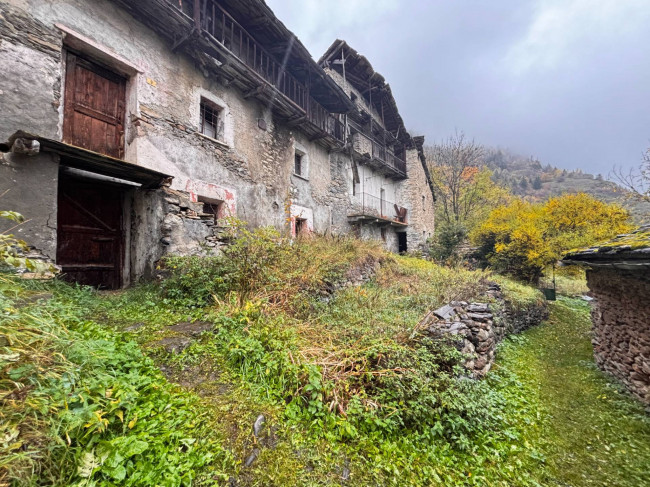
(210, 115)
(383, 234)
(297, 164)
(211, 207)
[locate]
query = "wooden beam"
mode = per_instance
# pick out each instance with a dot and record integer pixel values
(258, 22)
(255, 91)
(292, 122)
(197, 14)
(184, 40)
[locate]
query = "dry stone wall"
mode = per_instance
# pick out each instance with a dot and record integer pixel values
(621, 317)
(480, 326)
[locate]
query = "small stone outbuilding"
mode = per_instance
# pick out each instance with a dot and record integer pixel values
(618, 275)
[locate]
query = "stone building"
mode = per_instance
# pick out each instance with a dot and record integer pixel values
(134, 128)
(618, 275)
(382, 155)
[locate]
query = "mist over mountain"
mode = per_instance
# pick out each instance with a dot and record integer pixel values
(529, 178)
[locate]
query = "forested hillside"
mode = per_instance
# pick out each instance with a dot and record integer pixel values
(530, 178)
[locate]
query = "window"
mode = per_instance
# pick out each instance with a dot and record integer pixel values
(211, 123)
(297, 164)
(383, 234)
(211, 207)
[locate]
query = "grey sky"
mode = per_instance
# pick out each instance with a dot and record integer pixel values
(567, 81)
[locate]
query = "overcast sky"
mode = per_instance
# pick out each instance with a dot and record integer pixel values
(567, 81)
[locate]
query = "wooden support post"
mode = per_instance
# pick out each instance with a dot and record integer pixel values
(197, 15)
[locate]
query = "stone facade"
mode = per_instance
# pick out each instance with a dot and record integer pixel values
(621, 317)
(377, 136)
(248, 168)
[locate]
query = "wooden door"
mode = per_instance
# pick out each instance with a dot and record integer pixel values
(89, 232)
(94, 109)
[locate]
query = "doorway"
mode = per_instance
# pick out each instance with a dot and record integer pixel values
(90, 234)
(301, 227)
(402, 247)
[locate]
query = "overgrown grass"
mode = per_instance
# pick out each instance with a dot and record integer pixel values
(81, 405)
(349, 392)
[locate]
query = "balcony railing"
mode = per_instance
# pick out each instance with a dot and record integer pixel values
(372, 206)
(381, 153)
(214, 20)
(365, 144)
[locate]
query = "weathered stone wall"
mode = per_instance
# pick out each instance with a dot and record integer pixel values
(164, 90)
(416, 192)
(480, 327)
(28, 185)
(166, 221)
(30, 74)
(621, 317)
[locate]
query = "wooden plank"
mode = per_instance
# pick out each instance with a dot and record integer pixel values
(94, 107)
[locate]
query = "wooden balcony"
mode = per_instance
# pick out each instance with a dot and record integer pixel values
(372, 209)
(234, 47)
(378, 156)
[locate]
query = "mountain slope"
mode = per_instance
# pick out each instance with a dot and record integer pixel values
(527, 177)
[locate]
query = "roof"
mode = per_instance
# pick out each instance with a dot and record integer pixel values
(360, 73)
(87, 160)
(626, 251)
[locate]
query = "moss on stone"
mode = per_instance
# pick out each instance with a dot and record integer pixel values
(639, 239)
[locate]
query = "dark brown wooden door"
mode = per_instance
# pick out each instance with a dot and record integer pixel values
(89, 232)
(94, 107)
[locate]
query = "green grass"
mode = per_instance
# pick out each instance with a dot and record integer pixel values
(82, 405)
(591, 433)
(338, 377)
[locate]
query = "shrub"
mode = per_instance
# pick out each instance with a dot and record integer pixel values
(449, 236)
(193, 281)
(522, 238)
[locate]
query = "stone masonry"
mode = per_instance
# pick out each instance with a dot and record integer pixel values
(479, 327)
(621, 317)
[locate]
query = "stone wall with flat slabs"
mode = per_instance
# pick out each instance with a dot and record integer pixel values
(621, 317)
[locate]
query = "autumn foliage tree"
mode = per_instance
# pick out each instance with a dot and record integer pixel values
(464, 189)
(523, 238)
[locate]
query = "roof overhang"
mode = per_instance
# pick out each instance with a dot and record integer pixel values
(165, 17)
(258, 18)
(620, 264)
(629, 251)
(360, 73)
(86, 160)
